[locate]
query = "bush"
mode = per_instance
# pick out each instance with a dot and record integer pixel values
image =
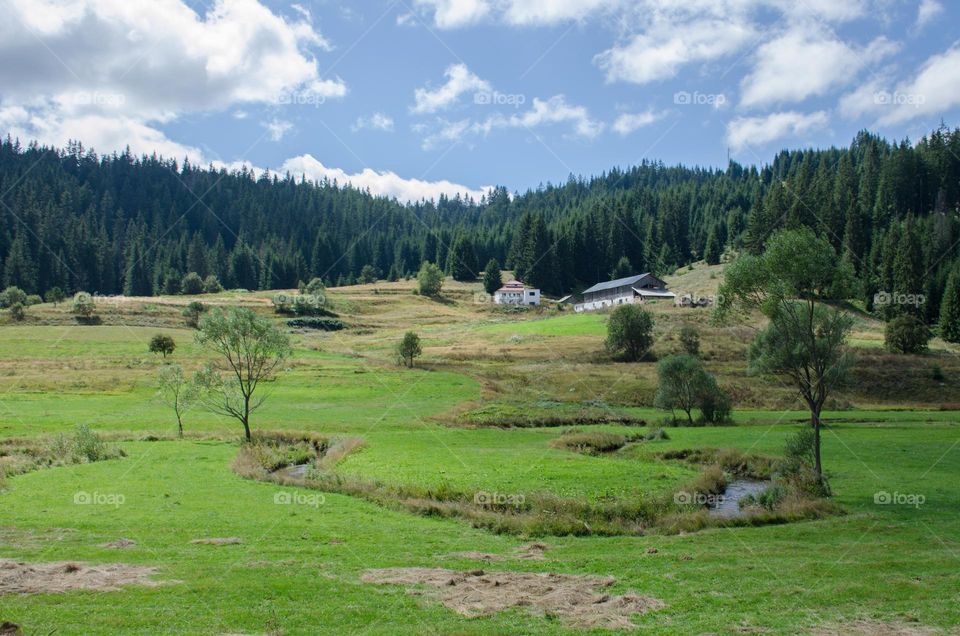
(630, 332)
(83, 305)
(18, 312)
(368, 274)
(906, 334)
(314, 288)
(55, 295)
(192, 284)
(429, 279)
(163, 344)
(655, 434)
(690, 339)
(592, 443)
(211, 285)
(85, 446)
(33, 299)
(193, 311)
(11, 296)
(323, 324)
(797, 466)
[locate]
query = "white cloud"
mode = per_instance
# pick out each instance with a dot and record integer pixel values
(661, 51)
(541, 12)
(449, 14)
(376, 121)
(927, 11)
(934, 90)
(806, 62)
(630, 122)
(387, 184)
(277, 128)
(460, 80)
(77, 64)
(743, 132)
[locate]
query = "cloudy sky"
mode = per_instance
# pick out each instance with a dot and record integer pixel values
(412, 98)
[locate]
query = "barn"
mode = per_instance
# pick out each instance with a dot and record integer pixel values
(623, 291)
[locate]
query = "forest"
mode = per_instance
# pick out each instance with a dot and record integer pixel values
(74, 220)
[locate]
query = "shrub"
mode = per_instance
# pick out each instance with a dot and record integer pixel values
(83, 305)
(314, 288)
(368, 274)
(211, 285)
(33, 299)
(630, 332)
(592, 443)
(193, 311)
(85, 446)
(906, 334)
(17, 312)
(323, 324)
(171, 284)
(797, 466)
(655, 434)
(690, 339)
(11, 296)
(163, 344)
(429, 279)
(192, 284)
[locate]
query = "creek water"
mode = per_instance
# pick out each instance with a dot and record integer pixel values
(728, 504)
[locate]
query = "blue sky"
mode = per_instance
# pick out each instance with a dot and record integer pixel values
(411, 98)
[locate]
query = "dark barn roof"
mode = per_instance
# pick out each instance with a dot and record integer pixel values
(629, 281)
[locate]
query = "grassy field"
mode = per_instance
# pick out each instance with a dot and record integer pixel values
(300, 567)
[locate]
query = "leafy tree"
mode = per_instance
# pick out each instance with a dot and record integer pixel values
(684, 384)
(12, 296)
(430, 279)
(690, 339)
(162, 344)
(409, 348)
(622, 269)
(805, 339)
(83, 305)
(492, 276)
(251, 350)
(18, 312)
(55, 295)
(630, 331)
(193, 311)
(192, 284)
(176, 391)
(906, 334)
(315, 287)
(950, 308)
(211, 285)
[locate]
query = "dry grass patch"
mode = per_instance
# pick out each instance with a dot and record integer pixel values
(578, 600)
(867, 627)
(17, 577)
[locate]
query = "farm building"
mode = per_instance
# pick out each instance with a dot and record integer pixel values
(515, 293)
(622, 291)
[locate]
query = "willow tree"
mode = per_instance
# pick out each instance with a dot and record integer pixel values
(794, 283)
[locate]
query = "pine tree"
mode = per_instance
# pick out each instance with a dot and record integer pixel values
(714, 248)
(908, 272)
(492, 277)
(462, 259)
(950, 307)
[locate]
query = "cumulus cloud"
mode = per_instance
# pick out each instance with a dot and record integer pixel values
(805, 62)
(381, 183)
(376, 121)
(277, 128)
(449, 14)
(934, 89)
(460, 80)
(927, 12)
(76, 64)
(630, 122)
(660, 52)
(743, 132)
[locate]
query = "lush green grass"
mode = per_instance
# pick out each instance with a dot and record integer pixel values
(297, 570)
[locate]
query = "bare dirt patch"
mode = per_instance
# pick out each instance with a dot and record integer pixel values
(119, 544)
(65, 576)
(530, 552)
(218, 541)
(578, 600)
(874, 628)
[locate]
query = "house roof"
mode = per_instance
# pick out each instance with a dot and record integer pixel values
(513, 285)
(620, 282)
(654, 293)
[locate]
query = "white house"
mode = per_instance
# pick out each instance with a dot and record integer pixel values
(515, 293)
(624, 291)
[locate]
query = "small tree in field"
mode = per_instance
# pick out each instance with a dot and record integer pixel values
(11, 296)
(162, 344)
(176, 391)
(409, 348)
(18, 312)
(492, 277)
(193, 311)
(690, 339)
(684, 384)
(630, 331)
(54, 295)
(251, 349)
(430, 279)
(906, 334)
(83, 306)
(192, 284)
(805, 340)
(368, 275)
